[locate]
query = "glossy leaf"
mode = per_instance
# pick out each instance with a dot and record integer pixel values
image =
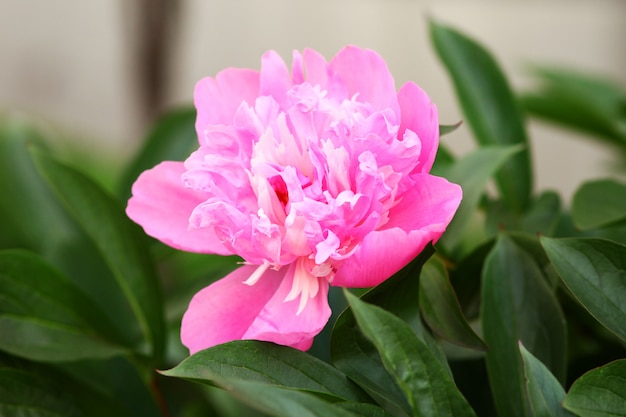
(44, 317)
(172, 138)
(489, 106)
(354, 355)
(280, 401)
(594, 270)
(121, 243)
(599, 203)
(440, 307)
(427, 385)
(517, 304)
(601, 392)
(472, 173)
(239, 360)
(543, 391)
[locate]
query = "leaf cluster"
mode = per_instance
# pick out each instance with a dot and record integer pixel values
(518, 310)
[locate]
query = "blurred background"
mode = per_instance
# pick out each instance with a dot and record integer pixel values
(98, 72)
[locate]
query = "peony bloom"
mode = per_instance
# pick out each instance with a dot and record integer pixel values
(316, 176)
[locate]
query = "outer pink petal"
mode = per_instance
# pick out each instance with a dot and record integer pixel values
(217, 99)
(224, 310)
(231, 310)
(421, 217)
(366, 73)
(275, 78)
(162, 206)
(419, 114)
(279, 321)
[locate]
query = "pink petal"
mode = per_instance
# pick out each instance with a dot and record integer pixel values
(275, 78)
(217, 100)
(231, 310)
(419, 114)
(366, 73)
(224, 310)
(421, 217)
(162, 206)
(280, 322)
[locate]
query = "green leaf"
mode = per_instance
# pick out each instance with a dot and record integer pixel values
(354, 355)
(427, 385)
(489, 107)
(594, 270)
(440, 307)
(445, 129)
(31, 217)
(45, 317)
(579, 101)
(283, 402)
(120, 242)
(172, 138)
(22, 394)
(472, 173)
(600, 392)
(239, 360)
(30, 389)
(599, 203)
(517, 304)
(544, 392)
(541, 218)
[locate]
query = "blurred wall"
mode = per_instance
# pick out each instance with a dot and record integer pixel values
(76, 64)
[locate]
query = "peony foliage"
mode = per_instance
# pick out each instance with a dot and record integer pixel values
(302, 242)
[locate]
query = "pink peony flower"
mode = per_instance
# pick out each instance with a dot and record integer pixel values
(315, 177)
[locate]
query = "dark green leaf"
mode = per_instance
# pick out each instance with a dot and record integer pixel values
(363, 409)
(472, 173)
(544, 393)
(440, 307)
(30, 389)
(23, 394)
(594, 270)
(489, 107)
(517, 304)
(600, 392)
(427, 385)
(353, 354)
(121, 243)
(239, 360)
(172, 138)
(283, 402)
(45, 317)
(599, 203)
(31, 217)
